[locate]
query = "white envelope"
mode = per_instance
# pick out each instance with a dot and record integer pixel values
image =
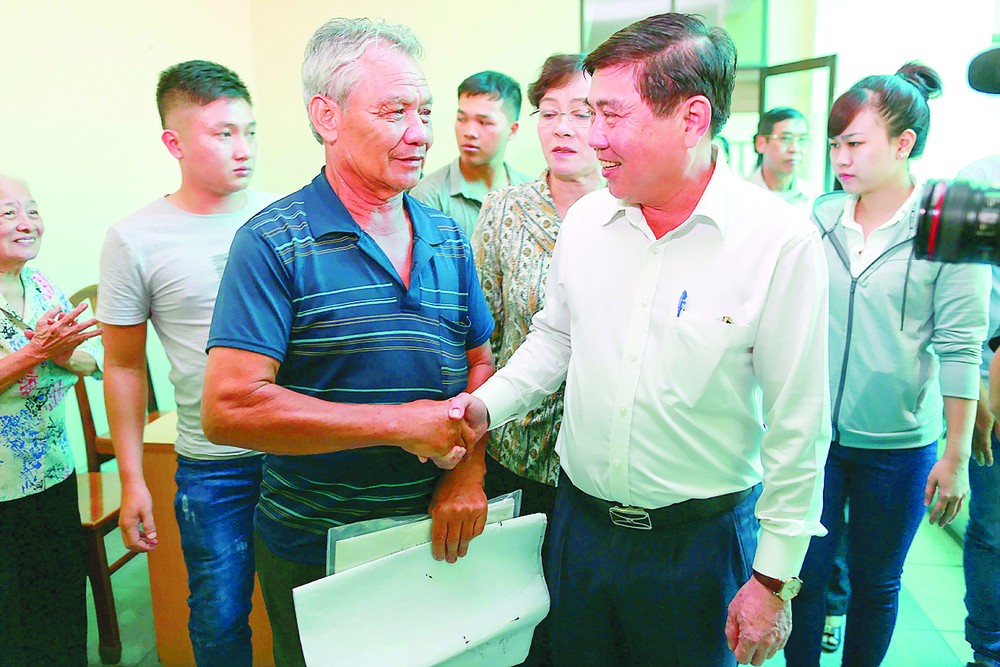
(406, 609)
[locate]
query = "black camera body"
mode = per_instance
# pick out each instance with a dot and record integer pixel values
(959, 222)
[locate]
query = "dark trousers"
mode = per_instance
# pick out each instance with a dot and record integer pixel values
(536, 498)
(278, 577)
(838, 588)
(885, 490)
(982, 562)
(631, 597)
(43, 613)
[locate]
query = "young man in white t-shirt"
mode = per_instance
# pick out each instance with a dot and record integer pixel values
(163, 263)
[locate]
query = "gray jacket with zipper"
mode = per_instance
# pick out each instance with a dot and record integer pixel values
(903, 333)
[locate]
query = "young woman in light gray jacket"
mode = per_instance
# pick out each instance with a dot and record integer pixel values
(905, 342)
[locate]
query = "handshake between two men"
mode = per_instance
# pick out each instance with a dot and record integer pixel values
(467, 422)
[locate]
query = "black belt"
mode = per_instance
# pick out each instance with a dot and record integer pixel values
(672, 515)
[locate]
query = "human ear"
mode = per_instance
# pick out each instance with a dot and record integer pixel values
(172, 141)
(905, 143)
(324, 114)
(697, 119)
(759, 142)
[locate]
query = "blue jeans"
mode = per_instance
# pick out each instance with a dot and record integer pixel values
(982, 561)
(214, 506)
(635, 597)
(838, 588)
(885, 489)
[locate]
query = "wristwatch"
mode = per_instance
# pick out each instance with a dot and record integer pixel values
(784, 589)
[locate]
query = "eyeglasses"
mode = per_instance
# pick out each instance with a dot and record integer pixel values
(786, 139)
(576, 117)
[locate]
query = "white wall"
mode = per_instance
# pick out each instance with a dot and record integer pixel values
(78, 116)
(878, 36)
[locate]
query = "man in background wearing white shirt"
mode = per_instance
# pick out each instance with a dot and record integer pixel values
(686, 308)
(163, 263)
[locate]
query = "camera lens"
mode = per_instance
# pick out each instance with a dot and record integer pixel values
(959, 222)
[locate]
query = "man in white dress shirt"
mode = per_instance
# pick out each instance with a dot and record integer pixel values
(686, 308)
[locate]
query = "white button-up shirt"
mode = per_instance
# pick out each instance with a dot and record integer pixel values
(677, 351)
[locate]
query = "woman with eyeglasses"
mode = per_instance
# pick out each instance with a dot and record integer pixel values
(513, 242)
(43, 618)
(781, 139)
(905, 342)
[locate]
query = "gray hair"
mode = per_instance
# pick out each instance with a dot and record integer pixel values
(13, 178)
(332, 63)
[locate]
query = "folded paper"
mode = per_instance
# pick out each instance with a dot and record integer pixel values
(407, 609)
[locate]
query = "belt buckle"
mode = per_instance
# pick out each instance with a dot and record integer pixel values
(630, 517)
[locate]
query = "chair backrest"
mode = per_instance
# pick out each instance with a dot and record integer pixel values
(95, 458)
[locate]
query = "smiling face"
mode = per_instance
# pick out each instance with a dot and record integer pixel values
(380, 135)
(216, 144)
(643, 156)
(865, 157)
(21, 226)
(564, 144)
(482, 130)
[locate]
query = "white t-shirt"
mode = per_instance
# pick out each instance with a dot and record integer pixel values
(164, 264)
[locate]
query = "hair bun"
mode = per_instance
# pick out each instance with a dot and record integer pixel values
(927, 81)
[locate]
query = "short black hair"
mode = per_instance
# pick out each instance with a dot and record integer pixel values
(770, 118)
(675, 57)
(496, 86)
(198, 82)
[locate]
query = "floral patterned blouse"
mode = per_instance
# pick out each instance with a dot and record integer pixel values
(34, 451)
(513, 243)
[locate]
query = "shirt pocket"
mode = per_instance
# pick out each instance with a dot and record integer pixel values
(707, 362)
(452, 335)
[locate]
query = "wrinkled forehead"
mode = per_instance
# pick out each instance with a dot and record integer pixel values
(388, 72)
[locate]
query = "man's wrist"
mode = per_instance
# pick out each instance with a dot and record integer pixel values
(783, 589)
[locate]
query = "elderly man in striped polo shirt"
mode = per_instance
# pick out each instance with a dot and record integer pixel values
(344, 308)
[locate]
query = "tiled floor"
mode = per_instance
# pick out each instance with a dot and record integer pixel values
(929, 632)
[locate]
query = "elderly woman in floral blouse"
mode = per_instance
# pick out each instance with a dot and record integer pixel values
(43, 618)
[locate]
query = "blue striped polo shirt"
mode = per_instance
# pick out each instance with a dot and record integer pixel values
(305, 285)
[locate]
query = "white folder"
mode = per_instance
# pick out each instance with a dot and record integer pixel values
(406, 609)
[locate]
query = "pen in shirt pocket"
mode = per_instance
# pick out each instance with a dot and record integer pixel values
(682, 302)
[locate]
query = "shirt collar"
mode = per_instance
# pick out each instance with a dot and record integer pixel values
(334, 217)
(476, 191)
(712, 208)
(904, 211)
(757, 178)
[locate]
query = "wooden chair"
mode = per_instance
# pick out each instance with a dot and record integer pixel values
(100, 504)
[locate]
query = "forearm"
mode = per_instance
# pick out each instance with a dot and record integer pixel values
(125, 400)
(994, 386)
(16, 365)
(81, 363)
(273, 419)
(959, 417)
(984, 418)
